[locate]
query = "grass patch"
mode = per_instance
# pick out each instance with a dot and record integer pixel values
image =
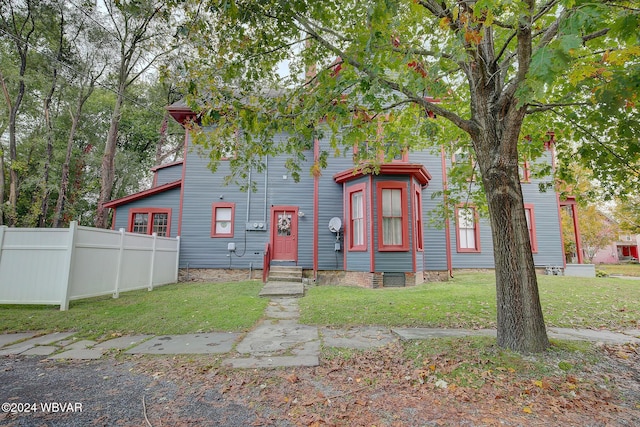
(471, 361)
(172, 309)
(469, 301)
(629, 269)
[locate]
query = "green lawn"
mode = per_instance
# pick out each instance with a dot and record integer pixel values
(621, 269)
(171, 309)
(469, 301)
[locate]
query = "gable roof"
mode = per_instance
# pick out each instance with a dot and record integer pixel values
(141, 195)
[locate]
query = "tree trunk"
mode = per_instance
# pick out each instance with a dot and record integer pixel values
(520, 321)
(108, 162)
(64, 180)
(44, 206)
(13, 156)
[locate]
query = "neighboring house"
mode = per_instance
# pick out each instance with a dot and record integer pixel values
(623, 250)
(369, 230)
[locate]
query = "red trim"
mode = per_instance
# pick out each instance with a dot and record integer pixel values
(357, 188)
(143, 194)
(447, 224)
(532, 227)
(526, 172)
(214, 207)
(393, 185)
(316, 207)
(418, 221)
(571, 201)
(372, 256)
(417, 171)
(181, 114)
(564, 258)
(166, 165)
(113, 219)
(150, 212)
(184, 173)
(476, 230)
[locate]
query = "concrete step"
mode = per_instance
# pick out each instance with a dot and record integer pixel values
(273, 289)
(279, 273)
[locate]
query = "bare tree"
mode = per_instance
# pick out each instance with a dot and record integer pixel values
(136, 28)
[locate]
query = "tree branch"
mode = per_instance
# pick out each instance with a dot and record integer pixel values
(465, 125)
(539, 108)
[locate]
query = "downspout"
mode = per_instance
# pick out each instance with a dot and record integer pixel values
(266, 181)
(249, 195)
(447, 227)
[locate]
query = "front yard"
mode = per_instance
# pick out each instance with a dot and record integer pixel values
(468, 301)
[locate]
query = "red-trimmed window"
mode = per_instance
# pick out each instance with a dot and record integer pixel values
(463, 158)
(417, 217)
(393, 218)
(363, 147)
(467, 229)
(524, 171)
(222, 215)
(149, 221)
(357, 224)
(531, 225)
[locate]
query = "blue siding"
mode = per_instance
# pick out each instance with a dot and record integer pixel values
(202, 188)
(435, 249)
(168, 174)
(169, 199)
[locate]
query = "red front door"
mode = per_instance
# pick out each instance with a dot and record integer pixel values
(284, 233)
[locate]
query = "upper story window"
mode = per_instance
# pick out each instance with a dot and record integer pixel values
(531, 225)
(463, 158)
(362, 151)
(357, 224)
(222, 216)
(417, 217)
(524, 171)
(393, 222)
(467, 229)
(149, 221)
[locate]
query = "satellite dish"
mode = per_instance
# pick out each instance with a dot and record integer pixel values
(335, 224)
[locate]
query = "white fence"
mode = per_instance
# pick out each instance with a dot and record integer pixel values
(57, 265)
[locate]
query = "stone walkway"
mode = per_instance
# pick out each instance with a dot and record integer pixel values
(278, 341)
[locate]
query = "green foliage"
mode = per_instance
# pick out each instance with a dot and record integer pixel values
(375, 63)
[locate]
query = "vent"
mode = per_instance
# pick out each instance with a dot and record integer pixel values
(393, 280)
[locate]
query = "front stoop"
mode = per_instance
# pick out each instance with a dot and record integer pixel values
(283, 281)
(282, 289)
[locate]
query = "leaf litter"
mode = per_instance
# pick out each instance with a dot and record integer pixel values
(389, 387)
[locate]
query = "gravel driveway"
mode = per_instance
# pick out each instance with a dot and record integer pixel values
(107, 392)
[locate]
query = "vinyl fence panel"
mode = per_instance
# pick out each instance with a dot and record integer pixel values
(54, 266)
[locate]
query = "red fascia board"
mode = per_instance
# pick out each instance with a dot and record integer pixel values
(143, 194)
(419, 172)
(168, 165)
(570, 200)
(181, 114)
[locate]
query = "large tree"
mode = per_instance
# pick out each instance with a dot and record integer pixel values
(493, 72)
(17, 23)
(141, 31)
